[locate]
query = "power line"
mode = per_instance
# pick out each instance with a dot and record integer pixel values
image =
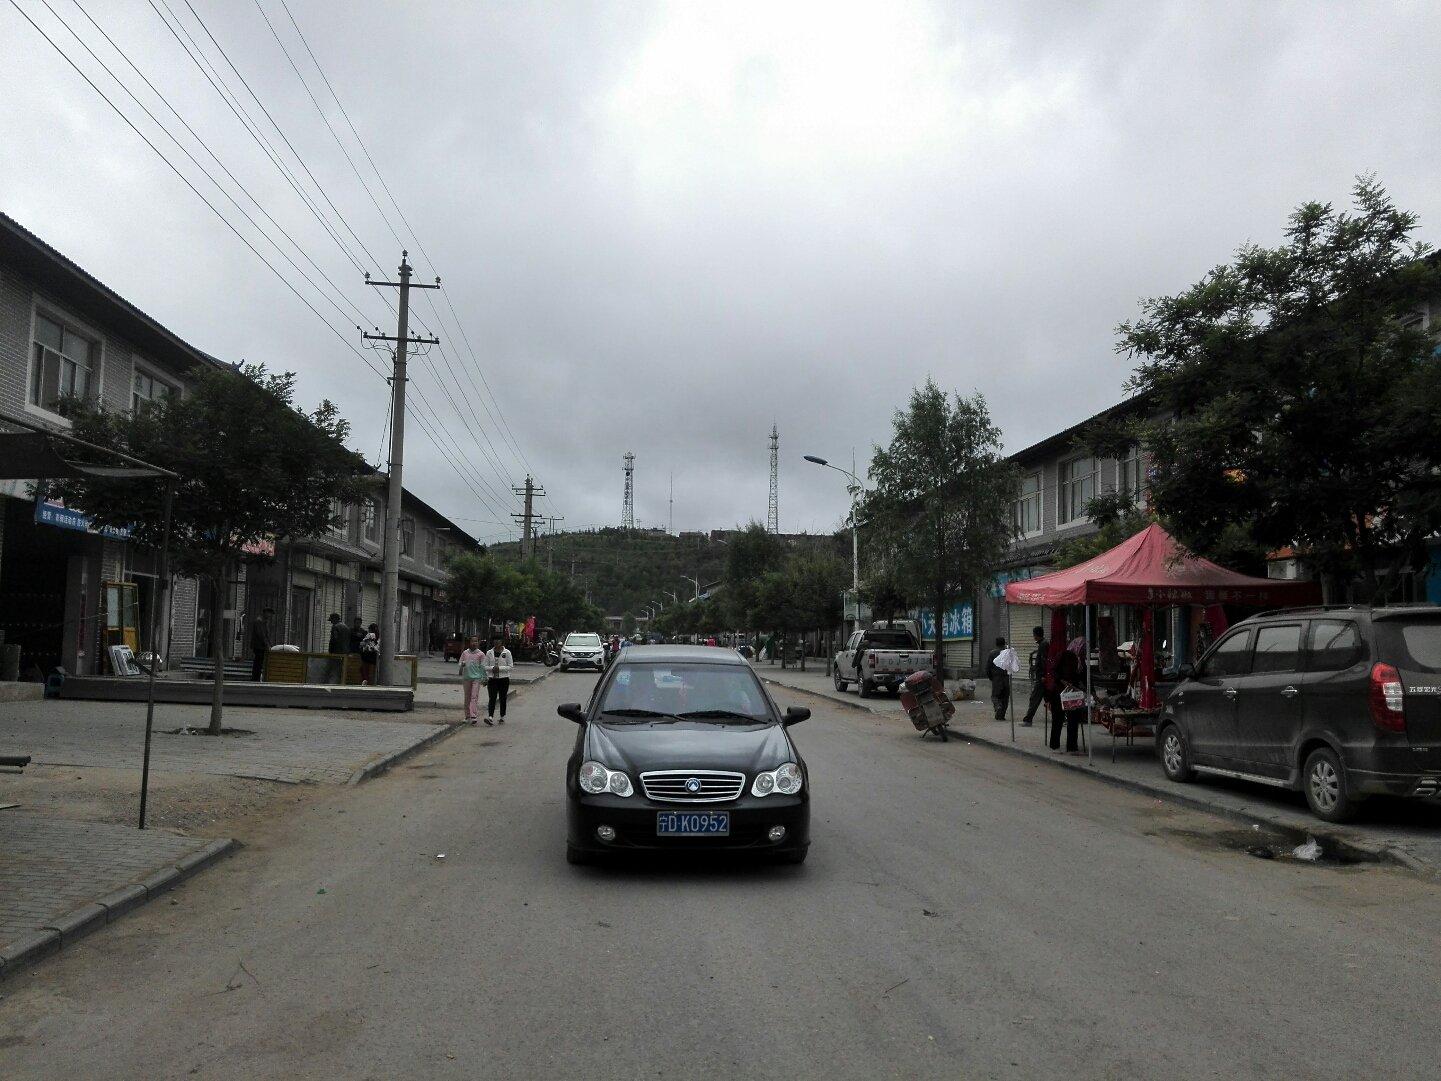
(186, 181)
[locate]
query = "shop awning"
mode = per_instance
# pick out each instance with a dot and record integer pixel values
(38, 456)
(1149, 569)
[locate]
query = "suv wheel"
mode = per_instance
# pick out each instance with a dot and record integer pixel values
(1324, 780)
(1175, 755)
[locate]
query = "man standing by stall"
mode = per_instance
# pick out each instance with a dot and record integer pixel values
(1040, 657)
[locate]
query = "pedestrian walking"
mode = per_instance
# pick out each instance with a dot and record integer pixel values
(369, 655)
(498, 663)
(1068, 674)
(1039, 676)
(260, 643)
(472, 677)
(1000, 664)
(357, 635)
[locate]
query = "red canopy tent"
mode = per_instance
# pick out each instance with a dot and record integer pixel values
(1149, 569)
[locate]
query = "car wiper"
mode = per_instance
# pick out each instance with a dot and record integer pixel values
(632, 713)
(718, 715)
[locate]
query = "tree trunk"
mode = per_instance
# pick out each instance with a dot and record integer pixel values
(217, 652)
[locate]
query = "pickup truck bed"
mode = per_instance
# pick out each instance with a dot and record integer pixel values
(875, 659)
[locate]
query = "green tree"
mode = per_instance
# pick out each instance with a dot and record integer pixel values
(1297, 395)
(252, 468)
(750, 555)
(940, 509)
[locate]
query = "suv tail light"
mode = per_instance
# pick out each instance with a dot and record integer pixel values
(871, 659)
(1387, 699)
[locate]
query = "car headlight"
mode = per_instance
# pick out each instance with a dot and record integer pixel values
(596, 779)
(784, 780)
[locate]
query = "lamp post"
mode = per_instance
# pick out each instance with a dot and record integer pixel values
(854, 488)
(672, 596)
(695, 582)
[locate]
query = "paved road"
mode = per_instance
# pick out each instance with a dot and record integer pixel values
(964, 913)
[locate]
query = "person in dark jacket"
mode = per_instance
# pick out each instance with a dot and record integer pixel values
(1039, 664)
(1068, 673)
(339, 635)
(260, 643)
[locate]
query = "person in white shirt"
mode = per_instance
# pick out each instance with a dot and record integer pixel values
(498, 663)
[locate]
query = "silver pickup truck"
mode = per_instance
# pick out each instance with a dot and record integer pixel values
(879, 657)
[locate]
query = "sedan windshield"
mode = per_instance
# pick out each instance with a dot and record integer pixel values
(702, 692)
(582, 641)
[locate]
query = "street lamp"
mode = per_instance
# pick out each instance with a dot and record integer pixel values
(672, 596)
(854, 488)
(695, 582)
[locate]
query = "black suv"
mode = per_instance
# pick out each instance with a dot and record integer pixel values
(1341, 703)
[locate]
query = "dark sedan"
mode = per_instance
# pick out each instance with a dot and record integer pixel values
(682, 749)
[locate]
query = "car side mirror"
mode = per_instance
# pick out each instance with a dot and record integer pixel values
(572, 711)
(1186, 671)
(795, 715)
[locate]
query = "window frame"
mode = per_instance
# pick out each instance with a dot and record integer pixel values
(141, 369)
(1071, 484)
(1026, 501)
(1135, 487)
(35, 380)
(1249, 634)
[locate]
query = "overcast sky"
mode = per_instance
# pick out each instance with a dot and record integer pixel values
(663, 227)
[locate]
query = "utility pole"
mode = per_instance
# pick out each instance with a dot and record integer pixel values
(390, 575)
(527, 536)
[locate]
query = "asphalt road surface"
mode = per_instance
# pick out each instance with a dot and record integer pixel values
(964, 914)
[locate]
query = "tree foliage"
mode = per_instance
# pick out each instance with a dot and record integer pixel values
(493, 592)
(252, 468)
(940, 509)
(1300, 395)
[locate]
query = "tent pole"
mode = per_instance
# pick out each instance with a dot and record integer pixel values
(1090, 750)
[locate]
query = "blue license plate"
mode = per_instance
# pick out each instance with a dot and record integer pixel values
(693, 824)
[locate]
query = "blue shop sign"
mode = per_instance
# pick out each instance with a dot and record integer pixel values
(959, 626)
(53, 512)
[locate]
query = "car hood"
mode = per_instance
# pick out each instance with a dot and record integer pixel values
(648, 745)
(578, 647)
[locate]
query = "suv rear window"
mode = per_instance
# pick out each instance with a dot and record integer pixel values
(1335, 645)
(1411, 645)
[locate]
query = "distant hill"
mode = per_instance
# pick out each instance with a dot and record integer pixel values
(625, 569)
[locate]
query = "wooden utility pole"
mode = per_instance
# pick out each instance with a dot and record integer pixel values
(390, 576)
(527, 537)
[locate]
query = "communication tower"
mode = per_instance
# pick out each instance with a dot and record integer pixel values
(627, 512)
(773, 518)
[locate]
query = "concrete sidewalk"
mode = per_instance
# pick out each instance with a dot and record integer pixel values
(1407, 832)
(61, 878)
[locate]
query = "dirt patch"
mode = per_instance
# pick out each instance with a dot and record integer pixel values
(187, 803)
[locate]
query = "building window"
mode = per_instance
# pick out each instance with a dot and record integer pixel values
(370, 520)
(62, 362)
(1129, 480)
(430, 547)
(1026, 510)
(339, 518)
(1077, 487)
(407, 536)
(146, 390)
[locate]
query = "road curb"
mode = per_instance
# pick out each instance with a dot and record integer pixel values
(376, 768)
(78, 923)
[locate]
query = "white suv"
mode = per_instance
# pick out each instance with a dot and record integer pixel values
(581, 650)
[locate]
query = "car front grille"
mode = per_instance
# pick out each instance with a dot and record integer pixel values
(675, 786)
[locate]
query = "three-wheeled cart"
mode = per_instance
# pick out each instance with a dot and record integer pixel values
(923, 697)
